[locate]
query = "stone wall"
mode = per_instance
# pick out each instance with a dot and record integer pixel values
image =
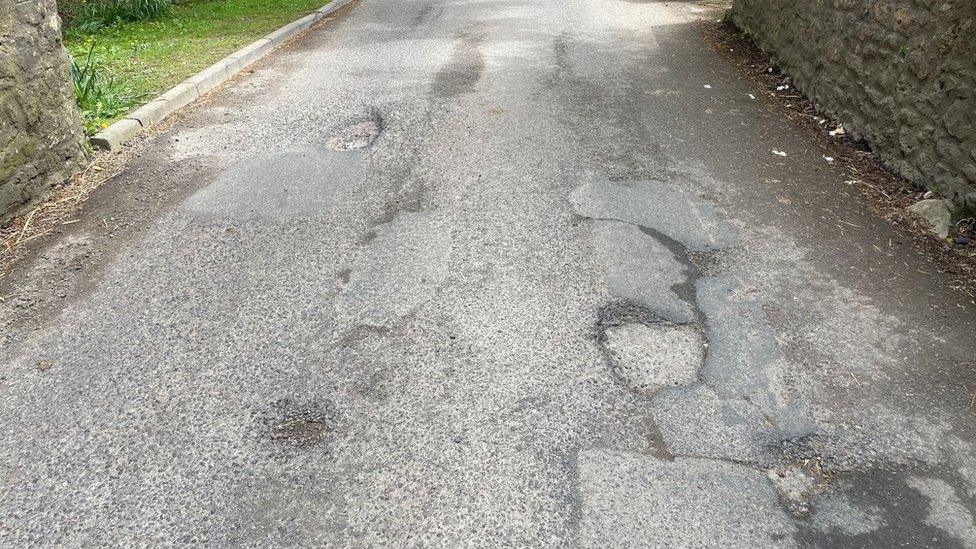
(899, 74)
(41, 140)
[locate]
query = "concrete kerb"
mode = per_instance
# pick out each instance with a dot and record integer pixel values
(114, 136)
(210, 77)
(189, 90)
(290, 30)
(249, 54)
(150, 113)
(181, 95)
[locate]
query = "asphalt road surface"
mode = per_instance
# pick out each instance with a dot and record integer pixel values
(493, 274)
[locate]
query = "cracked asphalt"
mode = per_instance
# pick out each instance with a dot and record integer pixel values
(485, 273)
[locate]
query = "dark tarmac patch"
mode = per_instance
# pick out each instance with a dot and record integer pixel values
(464, 69)
(686, 290)
(425, 16)
(903, 511)
(286, 184)
(656, 447)
(659, 208)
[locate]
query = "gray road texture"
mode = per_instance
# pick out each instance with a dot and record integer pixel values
(489, 274)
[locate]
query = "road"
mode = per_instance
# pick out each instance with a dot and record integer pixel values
(486, 273)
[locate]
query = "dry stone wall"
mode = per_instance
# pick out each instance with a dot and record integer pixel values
(899, 74)
(41, 141)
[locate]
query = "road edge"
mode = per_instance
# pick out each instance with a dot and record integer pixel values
(155, 111)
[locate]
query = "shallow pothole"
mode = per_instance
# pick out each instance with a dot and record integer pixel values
(300, 430)
(301, 424)
(797, 485)
(358, 136)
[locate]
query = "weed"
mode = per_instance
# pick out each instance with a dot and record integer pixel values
(85, 77)
(98, 96)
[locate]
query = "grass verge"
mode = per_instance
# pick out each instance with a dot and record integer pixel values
(137, 61)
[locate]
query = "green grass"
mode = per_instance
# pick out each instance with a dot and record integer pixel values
(137, 61)
(96, 92)
(91, 15)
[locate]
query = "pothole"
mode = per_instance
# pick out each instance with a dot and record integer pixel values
(301, 424)
(358, 136)
(647, 357)
(796, 485)
(303, 431)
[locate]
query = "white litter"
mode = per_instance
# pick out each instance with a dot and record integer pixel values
(829, 159)
(779, 153)
(838, 131)
(707, 87)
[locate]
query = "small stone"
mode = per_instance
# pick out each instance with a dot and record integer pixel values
(44, 365)
(962, 241)
(936, 213)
